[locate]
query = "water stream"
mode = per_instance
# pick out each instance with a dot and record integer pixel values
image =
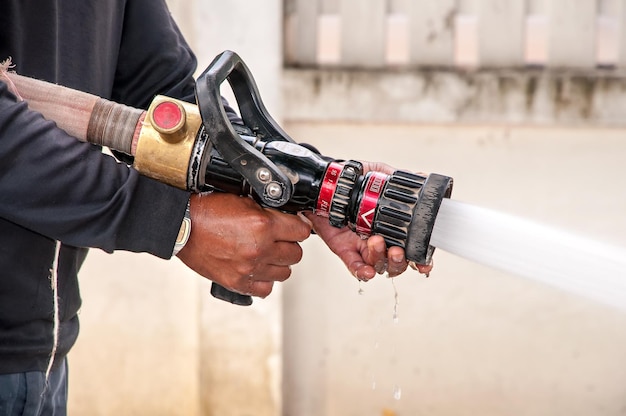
(532, 250)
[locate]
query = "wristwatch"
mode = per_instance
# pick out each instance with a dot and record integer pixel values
(183, 233)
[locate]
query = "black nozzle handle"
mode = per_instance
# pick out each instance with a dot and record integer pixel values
(220, 292)
(275, 189)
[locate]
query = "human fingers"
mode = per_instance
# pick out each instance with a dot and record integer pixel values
(383, 260)
(424, 269)
(258, 282)
(396, 262)
(261, 283)
(377, 167)
(281, 254)
(376, 255)
(362, 271)
(288, 227)
(258, 288)
(271, 273)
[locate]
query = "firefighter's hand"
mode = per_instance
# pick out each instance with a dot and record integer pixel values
(363, 258)
(240, 245)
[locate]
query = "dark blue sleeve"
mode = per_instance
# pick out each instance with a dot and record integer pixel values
(154, 58)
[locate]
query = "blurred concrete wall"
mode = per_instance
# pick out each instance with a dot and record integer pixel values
(469, 340)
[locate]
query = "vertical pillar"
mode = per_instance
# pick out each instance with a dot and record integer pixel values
(572, 33)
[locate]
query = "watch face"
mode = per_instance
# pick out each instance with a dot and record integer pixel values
(183, 233)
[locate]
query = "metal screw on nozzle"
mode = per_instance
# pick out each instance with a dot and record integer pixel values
(264, 175)
(274, 190)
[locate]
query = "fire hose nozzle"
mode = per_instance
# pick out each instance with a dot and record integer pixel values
(197, 148)
(402, 208)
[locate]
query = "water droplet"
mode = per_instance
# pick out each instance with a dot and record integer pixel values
(396, 303)
(397, 392)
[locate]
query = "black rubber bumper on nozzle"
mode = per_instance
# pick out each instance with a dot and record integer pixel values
(435, 189)
(407, 211)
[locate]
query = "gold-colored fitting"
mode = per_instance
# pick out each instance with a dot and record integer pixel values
(166, 140)
(168, 117)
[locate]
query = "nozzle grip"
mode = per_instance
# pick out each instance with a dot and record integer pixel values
(220, 292)
(435, 189)
(240, 155)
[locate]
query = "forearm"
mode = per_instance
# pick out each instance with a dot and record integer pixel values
(69, 191)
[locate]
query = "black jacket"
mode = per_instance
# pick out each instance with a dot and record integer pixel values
(53, 187)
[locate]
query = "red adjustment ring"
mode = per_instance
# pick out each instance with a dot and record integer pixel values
(327, 189)
(369, 202)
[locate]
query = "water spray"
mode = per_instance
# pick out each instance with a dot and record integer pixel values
(535, 251)
(197, 148)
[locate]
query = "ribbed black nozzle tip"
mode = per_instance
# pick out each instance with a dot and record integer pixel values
(407, 211)
(435, 189)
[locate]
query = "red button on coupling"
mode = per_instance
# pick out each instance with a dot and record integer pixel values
(168, 117)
